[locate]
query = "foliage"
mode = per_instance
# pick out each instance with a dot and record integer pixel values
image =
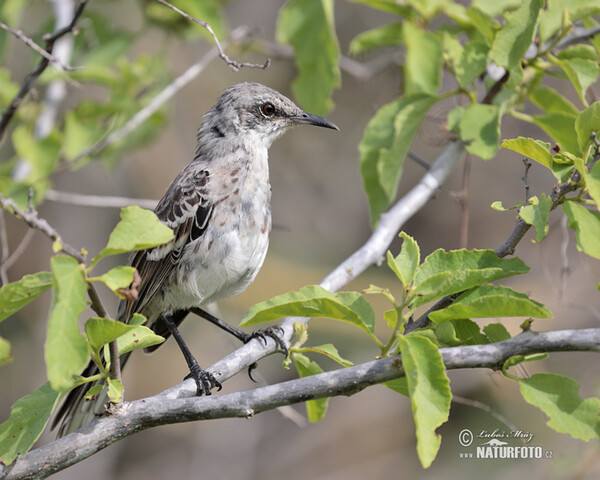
(507, 49)
(67, 350)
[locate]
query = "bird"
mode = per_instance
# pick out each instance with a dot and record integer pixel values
(219, 208)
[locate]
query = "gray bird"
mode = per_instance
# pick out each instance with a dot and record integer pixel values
(219, 208)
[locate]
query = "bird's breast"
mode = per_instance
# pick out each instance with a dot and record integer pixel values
(231, 251)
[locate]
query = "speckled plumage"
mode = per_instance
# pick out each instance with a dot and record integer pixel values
(219, 208)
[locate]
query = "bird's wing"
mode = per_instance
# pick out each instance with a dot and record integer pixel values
(187, 209)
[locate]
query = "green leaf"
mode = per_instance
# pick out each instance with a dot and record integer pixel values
(491, 301)
(514, 38)
(550, 100)
(586, 224)
(41, 154)
(558, 397)
(138, 229)
(552, 15)
(470, 63)
(384, 146)
(587, 123)
(94, 391)
(315, 301)
(114, 390)
(406, 263)
(483, 22)
(592, 182)
(116, 278)
(15, 295)
(443, 273)
(517, 359)
(66, 349)
(496, 332)
(479, 128)
(468, 333)
(398, 385)
(430, 393)
(391, 318)
(5, 356)
(536, 215)
(79, 134)
(308, 26)
(423, 63)
(561, 127)
(329, 351)
(28, 418)
(12, 11)
(446, 335)
(137, 319)
(540, 152)
(581, 72)
(386, 35)
(138, 337)
(391, 6)
(428, 8)
(533, 149)
(315, 409)
(101, 331)
(8, 88)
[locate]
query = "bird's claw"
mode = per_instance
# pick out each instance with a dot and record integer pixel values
(275, 332)
(205, 381)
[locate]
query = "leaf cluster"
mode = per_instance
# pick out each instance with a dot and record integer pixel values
(67, 349)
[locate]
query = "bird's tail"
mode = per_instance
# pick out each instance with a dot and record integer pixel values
(76, 411)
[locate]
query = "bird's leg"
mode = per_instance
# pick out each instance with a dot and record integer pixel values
(205, 381)
(274, 332)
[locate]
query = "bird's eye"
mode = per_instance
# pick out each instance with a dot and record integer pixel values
(267, 109)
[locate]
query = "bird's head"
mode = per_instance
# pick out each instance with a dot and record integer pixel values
(259, 113)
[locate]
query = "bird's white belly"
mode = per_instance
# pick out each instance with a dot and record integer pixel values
(217, 265)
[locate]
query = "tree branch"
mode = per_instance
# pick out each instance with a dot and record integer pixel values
(33, 220)
(235, 66)
(390, 223)
(103, 201)
(35, 47)
(169, 407)
(162, 97)
(508, 247)
(32, 77)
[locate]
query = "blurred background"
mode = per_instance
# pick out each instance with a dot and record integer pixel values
(320, 217)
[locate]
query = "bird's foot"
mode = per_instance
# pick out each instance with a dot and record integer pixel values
(205, 381)
(275, 332)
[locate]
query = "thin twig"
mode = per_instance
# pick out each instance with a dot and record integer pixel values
(579, 35)
(418, 160)
(391, 222)
(565, 270)
(525, 179)
(102, 201)
(5, 250)
(235, 66)
(485, 407)
(34, 46)
(17, 252)
(360, 71)
(161, 98)
(33, 220)
(507, 248)
(32, 77)
(463, 201)
(495, 89)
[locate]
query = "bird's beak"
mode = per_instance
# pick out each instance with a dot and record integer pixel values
(311, 119)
